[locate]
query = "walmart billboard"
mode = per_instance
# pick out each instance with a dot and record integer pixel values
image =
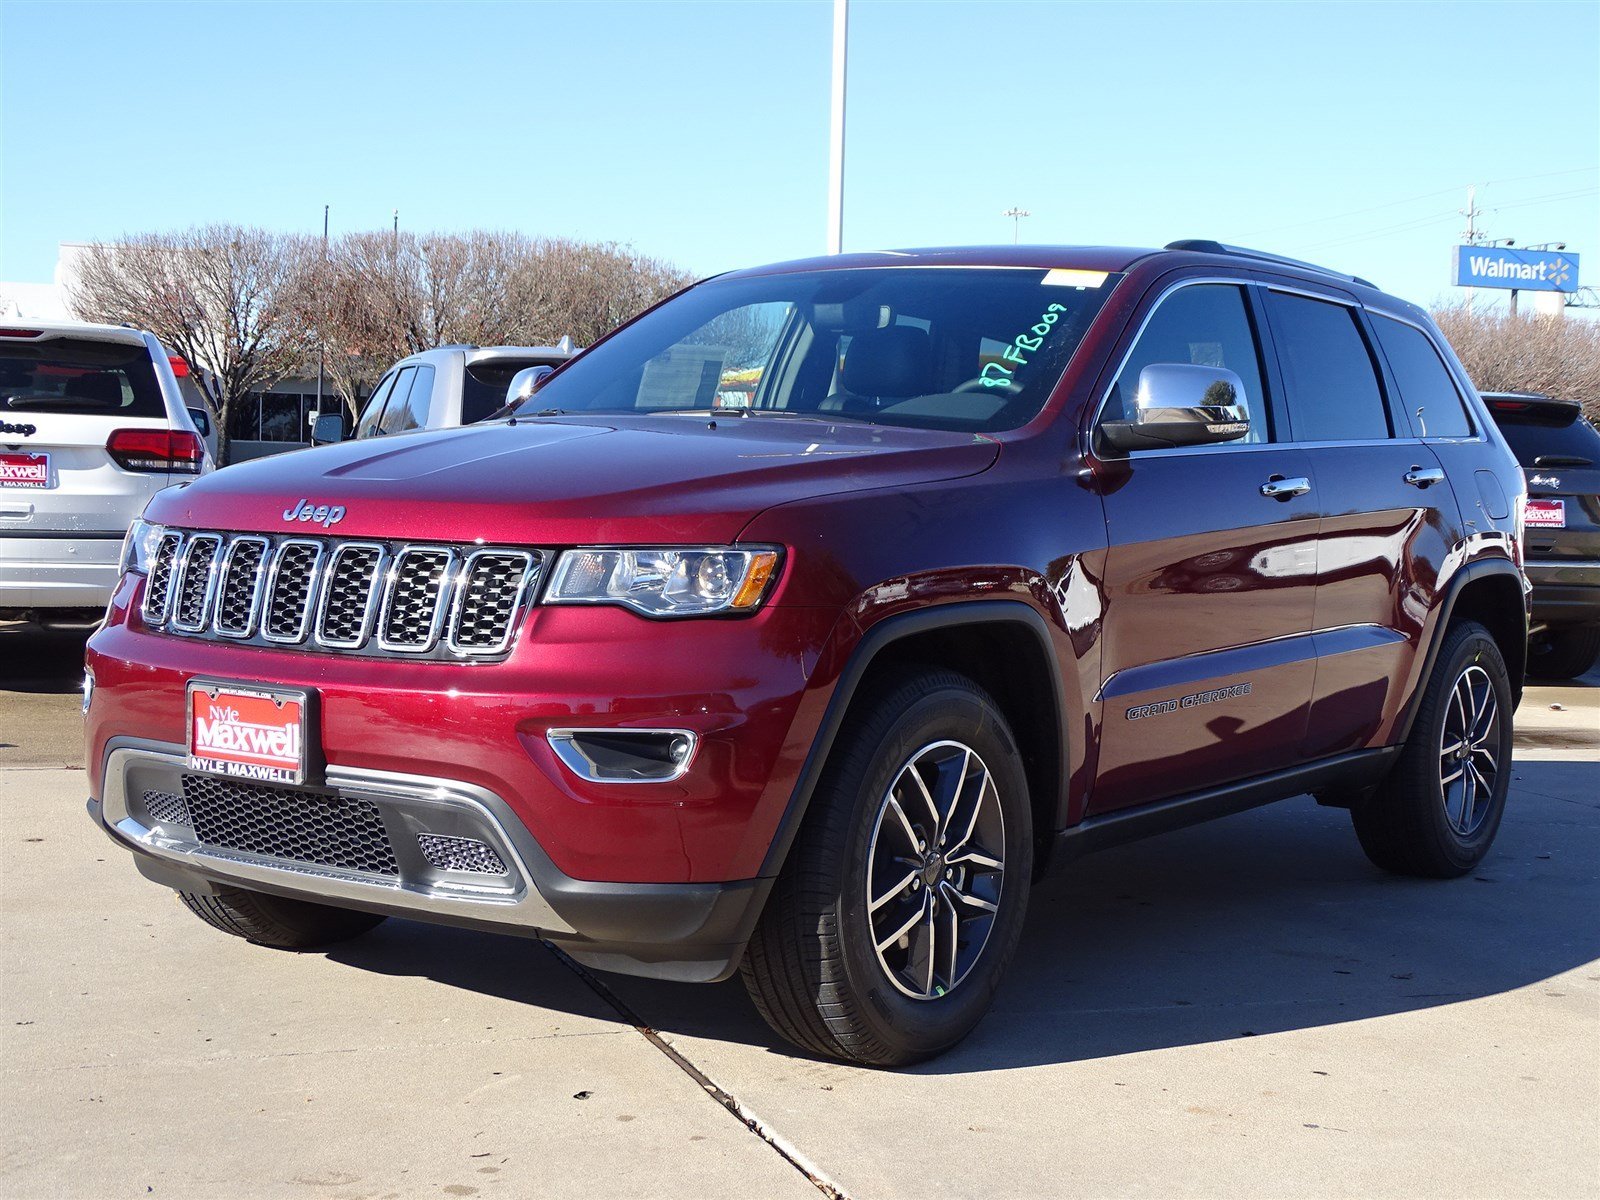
(1521, 270)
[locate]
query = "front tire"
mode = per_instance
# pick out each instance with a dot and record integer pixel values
(1564, 652)
(903, 898)
(1437, 813)
(276, 920)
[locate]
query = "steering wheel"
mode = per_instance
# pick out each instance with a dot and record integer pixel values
(979, 384)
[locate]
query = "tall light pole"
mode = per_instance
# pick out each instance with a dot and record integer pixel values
(322, 310)
(1016, 215)
(841, 20)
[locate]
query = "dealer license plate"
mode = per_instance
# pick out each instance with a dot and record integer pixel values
(1544, 514)
(25, 470)
(249, 732)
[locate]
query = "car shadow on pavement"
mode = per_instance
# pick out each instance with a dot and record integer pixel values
(1269, 921)
(41, 661)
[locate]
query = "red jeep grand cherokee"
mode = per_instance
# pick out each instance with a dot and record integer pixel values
(798, 625)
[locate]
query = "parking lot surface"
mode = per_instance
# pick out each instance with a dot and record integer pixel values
(1247, 1008)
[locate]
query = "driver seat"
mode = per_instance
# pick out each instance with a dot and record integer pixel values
(882, 366)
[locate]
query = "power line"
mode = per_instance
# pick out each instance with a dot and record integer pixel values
(1413, 199)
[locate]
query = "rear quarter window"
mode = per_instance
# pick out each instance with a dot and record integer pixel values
(1332, 385)
(77, 375)
(1426, 388)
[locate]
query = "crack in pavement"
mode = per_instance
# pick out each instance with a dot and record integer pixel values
(780, 1145)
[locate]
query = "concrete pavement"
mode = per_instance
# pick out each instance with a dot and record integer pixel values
(1242, 1009)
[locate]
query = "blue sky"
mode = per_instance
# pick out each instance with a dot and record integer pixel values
(1344, 133)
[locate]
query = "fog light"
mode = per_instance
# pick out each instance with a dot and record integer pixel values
(624, 755)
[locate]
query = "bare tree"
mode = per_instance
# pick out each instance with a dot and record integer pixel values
(231, 300)
(1557, 356)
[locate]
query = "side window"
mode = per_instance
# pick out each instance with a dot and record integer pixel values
(1331, 385)
(1205, 324)
(368, 425)
(1426, 387)
(395, 410)
(413, 414)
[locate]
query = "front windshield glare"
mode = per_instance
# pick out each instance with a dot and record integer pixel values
(927, 347)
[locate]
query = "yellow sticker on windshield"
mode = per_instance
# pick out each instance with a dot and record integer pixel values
(1063, 277)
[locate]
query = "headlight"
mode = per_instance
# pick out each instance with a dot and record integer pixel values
(686, 581)
(139, 547)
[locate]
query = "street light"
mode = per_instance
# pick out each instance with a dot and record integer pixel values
(1016, 215)
(841, 21)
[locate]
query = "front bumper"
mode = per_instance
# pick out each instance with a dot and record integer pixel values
(685, 931)
(1565, 591)
(69, 570)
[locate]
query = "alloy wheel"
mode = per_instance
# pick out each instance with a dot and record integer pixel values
(935, 869)
(1469, 748)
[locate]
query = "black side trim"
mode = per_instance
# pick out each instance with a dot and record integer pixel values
(881, 635)
(1481, 569)
(1357, 769)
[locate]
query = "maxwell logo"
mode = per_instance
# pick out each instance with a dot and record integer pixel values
(222, 729)
(325, 515)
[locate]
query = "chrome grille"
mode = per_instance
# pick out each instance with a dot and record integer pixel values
(413, 606)
(244, 570)
(488, 595)
(350, 594)
(192, 592)
(327, 831)
(350, 597)
(158, 588)
(167, 808)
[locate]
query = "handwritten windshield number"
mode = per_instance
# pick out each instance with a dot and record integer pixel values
(1021, 344)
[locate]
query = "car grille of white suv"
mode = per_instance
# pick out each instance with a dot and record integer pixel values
(352, 597)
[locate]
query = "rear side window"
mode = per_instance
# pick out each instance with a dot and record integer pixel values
(1333, 392)
(368, 425)
(1207, 325)
(1426, 388)
(75, 375)
(413, 413)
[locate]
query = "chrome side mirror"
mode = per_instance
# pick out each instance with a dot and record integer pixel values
(527, 381)
(1181, 404)
(327, 429)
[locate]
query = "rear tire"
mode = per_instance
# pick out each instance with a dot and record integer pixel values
(825, 966)
(276, 920)
(1564, 652)
(1437, 813)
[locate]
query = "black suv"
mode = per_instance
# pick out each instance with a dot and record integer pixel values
(1559, 449)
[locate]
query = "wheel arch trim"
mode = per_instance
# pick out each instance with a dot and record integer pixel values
(878, 638)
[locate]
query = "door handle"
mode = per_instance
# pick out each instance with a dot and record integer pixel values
(1424, 477)
(1279, 488)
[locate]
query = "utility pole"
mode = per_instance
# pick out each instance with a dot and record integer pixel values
(322, 310)
(397, 229)
(1470, 235)
(1016, 214)
(841, 21)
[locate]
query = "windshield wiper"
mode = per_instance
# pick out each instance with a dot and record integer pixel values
(1562, 460)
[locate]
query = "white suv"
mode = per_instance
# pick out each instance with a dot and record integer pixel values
(450, 385)
(92, 424)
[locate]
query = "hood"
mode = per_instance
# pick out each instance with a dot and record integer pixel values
(565, 481)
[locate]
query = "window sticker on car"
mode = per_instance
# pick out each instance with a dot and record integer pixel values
(1065, 277)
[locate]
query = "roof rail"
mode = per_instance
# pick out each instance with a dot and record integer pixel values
(1207, 246)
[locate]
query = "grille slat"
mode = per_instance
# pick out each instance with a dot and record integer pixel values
(347, 833)
(191, 592)
(350, 597)
(158, 587)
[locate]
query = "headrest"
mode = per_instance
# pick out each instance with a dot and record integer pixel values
(102, 387)
(897, 361)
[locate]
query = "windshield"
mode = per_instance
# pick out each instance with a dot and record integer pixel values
(934, 348)
(75, 375)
